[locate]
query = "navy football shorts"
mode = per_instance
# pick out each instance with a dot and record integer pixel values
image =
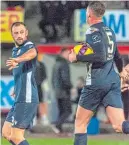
(108, 95)
(21, 115)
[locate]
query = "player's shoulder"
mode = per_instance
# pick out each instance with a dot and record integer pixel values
(93, 35)
(109, 29)
(28, 43)
(92, 30)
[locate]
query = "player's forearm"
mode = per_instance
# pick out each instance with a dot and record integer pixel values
(27, 56)
(91, 58)
(119, 64)
(23, 58)
(118, 60)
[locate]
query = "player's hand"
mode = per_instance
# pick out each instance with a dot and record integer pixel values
(127, 76)
(124, 85)
(12, 63)
(72, 56)
(124, 74)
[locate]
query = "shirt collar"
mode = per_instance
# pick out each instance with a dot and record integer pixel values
(98, 24)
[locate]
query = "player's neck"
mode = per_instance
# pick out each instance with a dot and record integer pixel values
(18, 45)
(95, 22)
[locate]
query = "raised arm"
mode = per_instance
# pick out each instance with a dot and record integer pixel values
(29, 55)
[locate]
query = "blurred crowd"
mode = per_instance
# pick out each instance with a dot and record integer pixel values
(56, 16)
(56, 13)
(59, 13)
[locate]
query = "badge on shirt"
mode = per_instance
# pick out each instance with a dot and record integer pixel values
(96, 38)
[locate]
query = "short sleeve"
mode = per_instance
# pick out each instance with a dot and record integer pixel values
(29, 45)
(95, 40)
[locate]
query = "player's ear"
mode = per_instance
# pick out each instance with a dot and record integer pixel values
(89, 15)
(26, 32)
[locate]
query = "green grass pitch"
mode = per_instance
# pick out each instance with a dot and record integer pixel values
(67, 141)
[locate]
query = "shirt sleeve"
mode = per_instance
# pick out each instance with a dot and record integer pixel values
(96, 42)
(29, 45)
(118, 60)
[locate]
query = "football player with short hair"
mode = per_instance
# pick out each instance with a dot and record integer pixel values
(23, 64)
(102, 81)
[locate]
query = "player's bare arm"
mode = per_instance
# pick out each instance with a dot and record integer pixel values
(127, 70)
(125, 73)
(124, 86)
(11, 63)
(29, 55)
(124, 78)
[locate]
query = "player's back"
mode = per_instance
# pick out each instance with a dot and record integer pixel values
(102, 40)
(24, 76)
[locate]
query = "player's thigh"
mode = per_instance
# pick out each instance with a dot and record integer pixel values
(90, 98)
(17, 132)
(83, 117)
(24, 114)
(6, 129)
(89, 101)
(17, 135)
(116, 117)
(114, 105)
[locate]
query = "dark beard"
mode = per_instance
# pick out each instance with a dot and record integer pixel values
(20, 44)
